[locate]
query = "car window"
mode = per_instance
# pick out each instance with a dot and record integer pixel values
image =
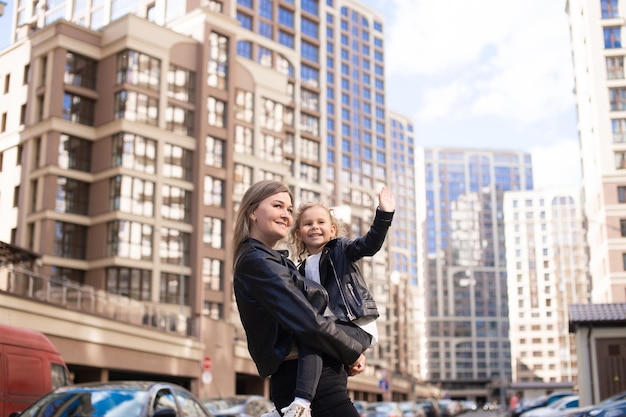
(164, 399)
(58, 375)
(189, 406)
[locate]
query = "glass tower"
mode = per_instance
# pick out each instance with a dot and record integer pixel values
(465, 291)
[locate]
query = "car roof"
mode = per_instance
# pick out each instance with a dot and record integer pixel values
(128, 385)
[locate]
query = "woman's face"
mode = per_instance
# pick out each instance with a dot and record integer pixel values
(271, 219)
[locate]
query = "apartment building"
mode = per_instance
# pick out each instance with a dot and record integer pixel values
(600, 88)
(464, 286)
(130, 131)
(547, 269)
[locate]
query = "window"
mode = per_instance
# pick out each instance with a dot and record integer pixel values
(136, 107)
(624, 261)
(216, 110)
(78, 109)
(133, 283)
(128, 239)
(212, 235)
(72, 196)
(176, 203)
(612, 37)
(621, 194)
(244, 49)
(170, 289)
(272, 115)
(179, 120)
(3, 123)
(132, 195)
(614, 67)
(622, 227)
(134, 151)
(7, 83)
(214, 152)
(218, 60)
(80, 70)
(212, 274)
(242, 180)
(70, 240)
(176, 162)
(618, 127)
(213, 192)
(243, 140)
(138, 69)
(620, 160)
(174, 247)
(244, 106)
(181, 84)
(74, 153)
(609, 9)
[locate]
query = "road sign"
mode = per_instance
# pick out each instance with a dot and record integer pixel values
(207, 377)
(206, 363)
(383, 385)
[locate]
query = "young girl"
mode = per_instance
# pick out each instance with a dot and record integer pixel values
(334, 262)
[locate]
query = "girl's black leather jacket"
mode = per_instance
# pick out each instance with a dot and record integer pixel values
(340, 271)
(275, 311)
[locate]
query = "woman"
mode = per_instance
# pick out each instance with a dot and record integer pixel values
(276, 313)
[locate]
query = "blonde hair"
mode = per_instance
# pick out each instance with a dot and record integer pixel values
(249, 202)
(294, 234)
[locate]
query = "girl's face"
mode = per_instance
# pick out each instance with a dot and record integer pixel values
(271, 219)
(316, 228)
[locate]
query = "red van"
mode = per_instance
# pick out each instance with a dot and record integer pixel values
(30, 366)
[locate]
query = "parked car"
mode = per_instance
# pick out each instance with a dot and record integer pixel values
(360, 406)
(556, 408)
(239, 406)
(610, 407)
(430, 407)
(30, 367)
(411, 409)
(383, 409)
(118, 399)
(542, 401)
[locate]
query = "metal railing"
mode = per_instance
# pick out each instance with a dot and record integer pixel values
(87, 299)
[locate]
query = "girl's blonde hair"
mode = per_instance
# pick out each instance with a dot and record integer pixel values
(294, 235)
(249, 202)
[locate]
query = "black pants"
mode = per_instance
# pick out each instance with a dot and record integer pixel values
(310, 361)
(331, 398)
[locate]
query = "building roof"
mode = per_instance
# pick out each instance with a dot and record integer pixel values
(11, 254)
(597, 315)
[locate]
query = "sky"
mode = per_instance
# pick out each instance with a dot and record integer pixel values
(493, 74)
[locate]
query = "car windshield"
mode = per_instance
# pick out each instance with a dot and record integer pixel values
(115, 403)
(560, 402)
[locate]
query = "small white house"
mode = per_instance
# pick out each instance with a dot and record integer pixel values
(600, 334)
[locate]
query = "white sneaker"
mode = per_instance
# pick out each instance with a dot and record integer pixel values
(296, 410)
(273, 413)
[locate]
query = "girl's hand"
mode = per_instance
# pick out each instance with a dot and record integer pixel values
(385, 200)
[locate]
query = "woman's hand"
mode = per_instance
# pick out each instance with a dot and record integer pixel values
(357, 367)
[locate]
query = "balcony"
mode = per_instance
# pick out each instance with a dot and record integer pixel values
(86, 299)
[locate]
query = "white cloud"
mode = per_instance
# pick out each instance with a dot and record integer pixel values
(508, 59)
(557, 164)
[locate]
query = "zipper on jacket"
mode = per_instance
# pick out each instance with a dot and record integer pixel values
(349, 312)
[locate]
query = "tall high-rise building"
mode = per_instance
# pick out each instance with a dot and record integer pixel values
(130, 131)
(600, 87)
(464, 284)
(546, 254)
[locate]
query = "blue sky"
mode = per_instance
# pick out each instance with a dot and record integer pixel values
(478, 73)
(5, 24)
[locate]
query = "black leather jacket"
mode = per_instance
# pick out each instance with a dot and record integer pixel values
(340, 271)
(275, 311)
